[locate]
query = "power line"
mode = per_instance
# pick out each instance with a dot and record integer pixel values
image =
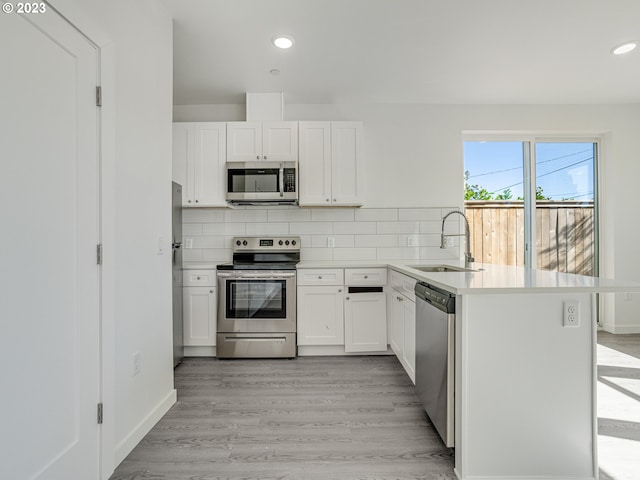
(537, 163)
(545, 174)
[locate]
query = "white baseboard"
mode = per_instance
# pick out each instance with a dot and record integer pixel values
(126, 445)
(200, 351)
(621, 329)
(332, 350)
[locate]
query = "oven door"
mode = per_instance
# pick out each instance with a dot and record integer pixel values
(256, 301)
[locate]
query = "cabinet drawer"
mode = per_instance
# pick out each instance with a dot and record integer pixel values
(403, 283)
(365, 276)
(199, 278)
(321, 276)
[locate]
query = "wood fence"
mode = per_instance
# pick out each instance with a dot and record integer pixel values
(565, 234)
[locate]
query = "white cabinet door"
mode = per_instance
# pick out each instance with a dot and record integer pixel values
(182, 153)
(314, 166)
(320, 315)
(209, 160)
(199, 151)
(244, 141)
(280, 141)
(409, 352)
(396, 327)
(365, 322)
(347, 163)
(331, 163)
(199, 311)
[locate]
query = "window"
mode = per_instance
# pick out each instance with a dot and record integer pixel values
(533, 193)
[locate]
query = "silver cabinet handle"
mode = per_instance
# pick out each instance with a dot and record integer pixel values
(210, 291)
(327, 199)
(197, 278)
(265, 157)
(257, 157)
(319, 277)
(190, 201)
(347, 298)
(196, 201)
(366, 276)
(334, 199)
(340, 291)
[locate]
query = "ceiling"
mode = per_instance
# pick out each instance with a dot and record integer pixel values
(407, 51)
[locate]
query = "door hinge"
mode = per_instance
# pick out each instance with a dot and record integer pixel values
(99, 254)
(98, 96)
(100, 413)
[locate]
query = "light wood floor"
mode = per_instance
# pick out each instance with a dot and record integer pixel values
(338, 418)
(619, 406)
(329, 418)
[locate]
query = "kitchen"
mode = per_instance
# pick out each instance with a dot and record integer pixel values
(137, 67)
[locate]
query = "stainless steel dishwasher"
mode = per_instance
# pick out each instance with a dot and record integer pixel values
(435, 355)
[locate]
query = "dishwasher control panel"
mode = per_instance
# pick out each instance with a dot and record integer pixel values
(441, 299)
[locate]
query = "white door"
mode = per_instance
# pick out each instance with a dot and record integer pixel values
(365, 322)
(49, 287)
(320, 315)
(280, 141)
(199, 304)
(244, 141)
(315, 163)
(347, 163)
(183, 159)
(209, 175)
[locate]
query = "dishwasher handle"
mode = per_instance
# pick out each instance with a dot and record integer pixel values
(437, 297)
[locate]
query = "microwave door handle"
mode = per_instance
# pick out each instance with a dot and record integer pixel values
(281, 177)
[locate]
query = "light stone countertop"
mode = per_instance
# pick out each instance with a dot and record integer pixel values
(487, 279)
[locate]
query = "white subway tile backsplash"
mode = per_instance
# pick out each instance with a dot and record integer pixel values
(217, 255)
(400, 253)
(316, 254)
(208, 241)
(247, 216)
(354, 253)
(299, 228)
(192, 255)
(377, 215)
(297, 215)
(202, 215)
(281, 228)
(376, 241)
(191, 229)
(358, 234)
(355, 228)
(236, 229)
(332, 215)
(419, 214)
(398, 227)
(341, 241)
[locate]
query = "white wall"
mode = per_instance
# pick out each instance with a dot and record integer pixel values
(414, 158)
(136, 47)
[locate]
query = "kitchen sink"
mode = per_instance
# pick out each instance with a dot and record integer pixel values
(441, 268)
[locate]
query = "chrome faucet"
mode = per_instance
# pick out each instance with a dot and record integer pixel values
(468, 258)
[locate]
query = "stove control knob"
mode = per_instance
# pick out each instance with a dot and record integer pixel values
(280, 242)
(287, 242)
(244, 242)
(238, 242)
(293, 242)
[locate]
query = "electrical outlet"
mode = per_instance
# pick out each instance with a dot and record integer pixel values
(412, 240)
(331, 242)
(628, 297)
(188, 242)
(448, 242)
(136, 364)
(570, 313)
(160, 245)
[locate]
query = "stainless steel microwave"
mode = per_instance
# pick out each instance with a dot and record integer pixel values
(257, 183)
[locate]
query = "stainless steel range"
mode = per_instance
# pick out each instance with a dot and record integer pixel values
(257, 299)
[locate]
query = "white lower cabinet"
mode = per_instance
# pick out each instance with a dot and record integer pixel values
(320, 315)
(329, 316)
(365, 322)
(199, 308)
(402, 322)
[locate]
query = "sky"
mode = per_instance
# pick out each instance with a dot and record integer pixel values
(563, 170)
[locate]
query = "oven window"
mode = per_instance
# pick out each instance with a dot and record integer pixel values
(253, 181)
(256, 299)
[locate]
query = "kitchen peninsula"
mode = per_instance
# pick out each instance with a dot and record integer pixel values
(525, 384)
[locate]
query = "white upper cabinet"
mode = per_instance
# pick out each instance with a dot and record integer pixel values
(331, 163)
(262, 141)
(199, 151)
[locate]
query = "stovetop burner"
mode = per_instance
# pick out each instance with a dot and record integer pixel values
(264, 253)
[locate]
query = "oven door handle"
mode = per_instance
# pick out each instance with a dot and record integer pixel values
(242, 276)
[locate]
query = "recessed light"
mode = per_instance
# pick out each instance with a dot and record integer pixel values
(282, 41)
(624, 48)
